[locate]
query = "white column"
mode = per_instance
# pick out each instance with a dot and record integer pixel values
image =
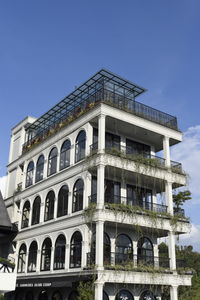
(156, 255)
(135, 253)
(42, 208)
(123, 193)
(112, 242)
(169, 197)
(52, 259)
(100, 186)
(38, 261)
(88, 183)
(89, 138)
(172, 250)
(174, 292)
(45, 167)
(99, 244)
(166, 150)
(26, 262)
(30, 215)
(72, 155)
(55, 207)
(98, 291)
(101, 133)
(70, 199)
(67, 256)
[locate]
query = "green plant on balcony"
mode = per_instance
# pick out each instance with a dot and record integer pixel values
(86, 290)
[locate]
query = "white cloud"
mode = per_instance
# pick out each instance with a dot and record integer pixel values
(188, 152)
(3, 185)
(191, 238)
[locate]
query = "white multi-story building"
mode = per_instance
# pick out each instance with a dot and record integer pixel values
(91, 197)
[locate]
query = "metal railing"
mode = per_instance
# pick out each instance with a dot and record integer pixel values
(116, 199)
(179, 212)
(7, 265)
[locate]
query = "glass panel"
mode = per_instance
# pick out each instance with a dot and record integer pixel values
(40, 169)
(65, 155)
(36, 211)
(63, 201)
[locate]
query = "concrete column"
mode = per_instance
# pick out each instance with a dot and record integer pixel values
(166, 151)
(55, 206)
(72, 154)
(70, 199)
(135, 253)
(88, 183)
(45, 167)
(67, 256)
(155, 251)
(123, 193)
(123, 144)
(112, 246)
(26, 262)
(174, 292)
(38, 261)
(20, 214)
(30, 214)
(88, 139)
(98, 291)
(52, 259)
(42, 208)
(172, 250)
(99, 244)
(100, 186)
(101, 133)
(169, 197)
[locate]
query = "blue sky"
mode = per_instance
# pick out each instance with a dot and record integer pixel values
(49, 47)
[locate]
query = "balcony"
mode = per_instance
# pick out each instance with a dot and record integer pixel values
(128, 202)
(150, 160)
(103, 87)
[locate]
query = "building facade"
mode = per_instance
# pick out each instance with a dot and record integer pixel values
(91, 198)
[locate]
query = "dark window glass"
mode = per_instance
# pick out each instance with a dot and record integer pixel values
(95, 139)
(59, 257)
(39, 168)
(49, 206)
(65, 155)
(80, 146)
(133, 147)
(21, 259)
(124, 294)
(43, 295)
(19, 295)
(112, 191)
(106, 249)
(29, 296)
(105, 296)
(76, 250)
(32, 257)
(57, 296)
(52, 162)
(29, 174)
(46, 255)
(63, 201)
(112, 141)
(73, 296)
(145, 251)
(139, 196)
(36, 211)
(25, 214)
(147, 295)
(123, 249)
(78, 195)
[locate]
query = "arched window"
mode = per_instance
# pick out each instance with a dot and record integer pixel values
(25, 214)
(80, 146)
(49, 206)
(36, 211)
(76, 250)
(124, 294)
(29, 174)
(43, 295)
(65, 155)
(39, 168)
(29, 296)
(73, 295)
(52, 161)
(63, 201)
(21, 259)
(78, 195)
(105, 296)
(59, 258)
(106, 249)
(32, 257)
(145, 251)
(123, 249)
(57, 296)
(147, 295)
(46, 255)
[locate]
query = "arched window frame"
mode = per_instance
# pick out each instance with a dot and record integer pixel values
(145, 255)
(147, 295)
(49, 206)
(105, 296)
(29, 174)
(25, 214)
(123, 253)
(46, 255)
(63, 194)
(39, 168)
(128, 294)
(78, 193)
(52, 161)
(65, 155)
(76, 250)
(36, 211)
(80, 146)
(59, 254)
(43, 295)
(32, 257)
(21, 266)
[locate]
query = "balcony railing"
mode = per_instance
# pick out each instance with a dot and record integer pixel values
(179, 212)
(6, 266)
(149, 159)
(115, 199)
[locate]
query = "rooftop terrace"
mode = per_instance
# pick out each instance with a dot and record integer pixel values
(103, 87)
